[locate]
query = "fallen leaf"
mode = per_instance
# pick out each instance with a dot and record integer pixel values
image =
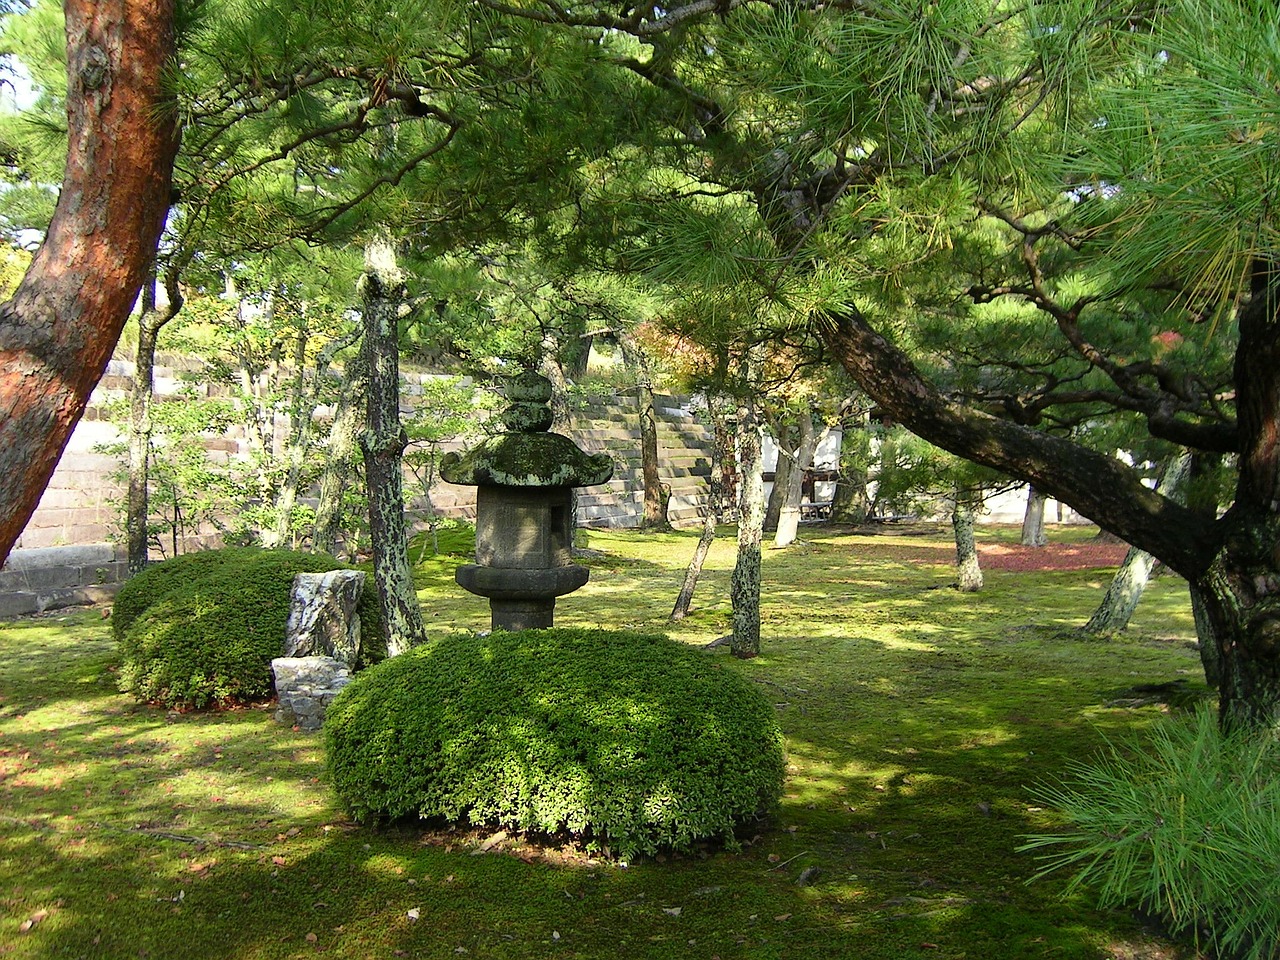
(312, 938)
(198, 867)
(783, 916)
(414, 913)
(672, 911)
(774, 858)
(279, 861)
(928, 946)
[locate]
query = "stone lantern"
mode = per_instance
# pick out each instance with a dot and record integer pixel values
(524, 507)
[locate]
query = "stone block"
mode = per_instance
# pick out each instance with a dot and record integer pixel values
(305, 687)
(83, 555)
(18, 604)
(322, 616)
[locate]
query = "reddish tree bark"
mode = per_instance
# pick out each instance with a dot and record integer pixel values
(58, 330)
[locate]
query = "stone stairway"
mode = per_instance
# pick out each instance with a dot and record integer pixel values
(684, 461)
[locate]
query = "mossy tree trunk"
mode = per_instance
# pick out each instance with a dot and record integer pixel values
(720, 454)
(745, 585)
(1209, 643)
(382, 443)
(1129, 583)
(968, 571)
(1033, 533)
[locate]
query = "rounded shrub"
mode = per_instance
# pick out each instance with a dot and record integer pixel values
(631, 742)
(203, 627)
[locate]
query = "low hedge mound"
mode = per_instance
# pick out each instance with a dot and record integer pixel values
(630, 742)
(203, 627)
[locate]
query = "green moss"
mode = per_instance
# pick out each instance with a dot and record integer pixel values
(629, 741)
(203, 628)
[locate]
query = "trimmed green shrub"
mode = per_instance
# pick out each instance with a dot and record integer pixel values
(203, 627)
(1185, 827)
(631, 742)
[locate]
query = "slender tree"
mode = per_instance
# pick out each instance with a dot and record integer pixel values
(383, 441)
(746, 579)
(721, 453)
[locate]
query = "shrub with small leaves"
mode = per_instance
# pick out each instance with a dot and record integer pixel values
(203, 628)
(1185, 826)
(630, 742)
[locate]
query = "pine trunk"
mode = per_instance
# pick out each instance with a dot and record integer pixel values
(745, 585)
(59, 328)
(968, 572)
(383, 443)
(1033, 534)
(137, 497)
(1129, 583)
(1123, 593)
(715, 509)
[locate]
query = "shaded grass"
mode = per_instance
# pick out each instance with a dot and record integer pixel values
(915, 717)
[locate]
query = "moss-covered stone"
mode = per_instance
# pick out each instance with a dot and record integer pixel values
(527, 460)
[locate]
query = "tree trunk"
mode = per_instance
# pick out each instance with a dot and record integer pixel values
(383, 443)
(968, 572)
(1232, 562)
(1033, 534)
(1241, 588)
(1127, 586)
(789, 516)
(781, 475)
(745, 585)
(59, 328)
(653, 515)
(1208, 642)
(715, 509)
(137, 497)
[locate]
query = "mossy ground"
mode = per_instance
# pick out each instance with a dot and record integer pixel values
(915, 719)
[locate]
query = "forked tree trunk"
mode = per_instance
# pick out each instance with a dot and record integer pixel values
(968, 571)
(1033, 534)
(59, 328)
(744, 588)
(720, 454)
(1127, 586)
(383, 443)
